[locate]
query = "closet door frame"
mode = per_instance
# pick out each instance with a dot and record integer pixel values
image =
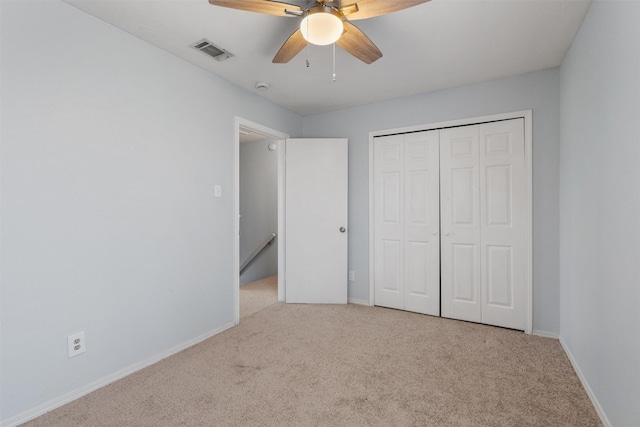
(527, 116)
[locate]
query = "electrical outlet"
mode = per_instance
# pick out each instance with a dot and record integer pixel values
(352, 276)
(76, 344)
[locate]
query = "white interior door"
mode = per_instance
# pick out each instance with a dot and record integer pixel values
(422, 222)
(316, 221)
(407, 246)
(503, 240)
(484, 243)
(460, 240)
(389, 223)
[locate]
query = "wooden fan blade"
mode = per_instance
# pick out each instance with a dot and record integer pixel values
(354, 41)
(294, 44)
(260, 6)
(372, 8)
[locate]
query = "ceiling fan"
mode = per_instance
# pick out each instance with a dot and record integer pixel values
(324, 22)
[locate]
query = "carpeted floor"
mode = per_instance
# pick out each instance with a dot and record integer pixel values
(349, 365)
(258, 295)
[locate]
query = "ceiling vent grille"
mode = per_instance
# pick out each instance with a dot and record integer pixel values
(208, 48)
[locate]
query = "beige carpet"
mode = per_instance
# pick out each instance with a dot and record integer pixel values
(258, 295)
(313, 365)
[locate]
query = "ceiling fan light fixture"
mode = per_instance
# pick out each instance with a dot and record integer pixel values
(322, 25)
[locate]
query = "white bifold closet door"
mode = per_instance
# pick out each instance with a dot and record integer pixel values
(407, 224)
(483, 218)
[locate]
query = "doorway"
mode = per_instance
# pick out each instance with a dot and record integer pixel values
(315, 167)
(258, 222)
(259, 216)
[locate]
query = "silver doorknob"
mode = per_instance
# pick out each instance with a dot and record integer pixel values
(342, 229)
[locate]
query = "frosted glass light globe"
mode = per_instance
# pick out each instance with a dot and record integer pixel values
(321, 28)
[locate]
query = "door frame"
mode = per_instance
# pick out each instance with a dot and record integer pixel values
(280, 138)
(527, 115)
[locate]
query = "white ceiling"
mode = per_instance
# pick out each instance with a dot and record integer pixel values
(437, 45)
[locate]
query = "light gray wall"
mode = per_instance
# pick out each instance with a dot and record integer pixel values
(109, 224)
(600, 206)
(538, 91)
(110, 152)
(258, 208)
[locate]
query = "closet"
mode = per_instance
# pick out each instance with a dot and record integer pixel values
(450, 222)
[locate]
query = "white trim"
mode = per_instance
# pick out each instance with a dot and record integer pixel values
(358, 301)
(452, 123)
(545, 334)
(528, 146)
(82, 391)
(528, 140)
(585, 384)
(371, 224)
(282, 218)
(280, 137)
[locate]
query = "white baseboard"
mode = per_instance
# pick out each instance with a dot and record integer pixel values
(77, 393)
(545, 334)
(357, 301)
(585, 384)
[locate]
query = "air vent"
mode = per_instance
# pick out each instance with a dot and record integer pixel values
(208, 48)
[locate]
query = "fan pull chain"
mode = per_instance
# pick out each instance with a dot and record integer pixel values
(334, 62)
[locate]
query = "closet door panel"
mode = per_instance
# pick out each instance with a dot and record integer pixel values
(406, 217)
(503, 239)
(499, 276)
(417, 270)
(389, 214)
(422, 243)
(463, 267)
(460, 223)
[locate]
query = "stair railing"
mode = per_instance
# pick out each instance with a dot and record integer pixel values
(257, 252)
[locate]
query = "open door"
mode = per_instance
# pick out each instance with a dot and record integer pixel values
(316, 221)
